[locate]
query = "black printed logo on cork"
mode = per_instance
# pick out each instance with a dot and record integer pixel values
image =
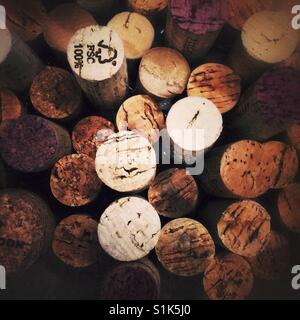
(10, 243)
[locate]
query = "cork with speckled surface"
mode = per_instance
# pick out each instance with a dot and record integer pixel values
(148, 7)
(74, 181)
(185, 247)
(10, 106)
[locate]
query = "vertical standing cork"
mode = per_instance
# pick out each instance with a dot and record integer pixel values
(89, 133)
(273, 261)
(62, 22)
(75, 241)
(26, 227)
(289, 207)
(141, 114)
(173, 193)
(217, 83)
(18, 63)
(267, 39)
(136, 32)
(193, 25)
(185, 247)
(100, 9)
(293, 134)
(163, 73)
(132, 281)
(150, 8)
(269, 106)
(129, 229)
(10, 106)
(97, 57)
(74, 181)
(228, 277)
(33, 144)
(55, 94)
(126, 162)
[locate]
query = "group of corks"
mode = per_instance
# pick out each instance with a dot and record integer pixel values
(88, 90)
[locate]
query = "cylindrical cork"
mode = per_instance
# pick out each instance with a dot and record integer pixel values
(228, 277)
(136, 32)
(26, 229)
(217, 83)
(10, 106)
(2, 176)
(293, 61)
(173, 193)
(33, 144)
(100, 9)
(18, 63)
(141, 114)
(126, 162)
(75, 241)
(132, 281)
(164, 73)
(193, 25)
(74, 181)
(62, 22)
(273, 261)
(129, 229)
(152, 9)
(185, 247)
(89, 133)
(55, 94)
(237, 170)
(267, 39)
(289, 207)
(97, 57)
(281, 163)
(28, 22)
(269, 106)
(241, 10)
(293, 134)
(194, 124)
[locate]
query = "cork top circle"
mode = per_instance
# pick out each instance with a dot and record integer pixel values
(5, 43)
(148, 5)
(95, 53)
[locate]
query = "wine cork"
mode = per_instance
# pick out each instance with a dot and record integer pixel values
(241, 10)
(293, 133)
(25, 230)
(194, 124)
(272, 262)
(75, 241)
(99, 8)
(163, 73)
(148, 8)
(141, 114)
(217, 83)
(267, 39)
(237, 170)
(288, 207)
(129, 229)
(33, 144)
(136, 32)
(126, 162)
(293, 61)
(10, 106)
(89, 133)
(269, 106)
(185, 247)
(18, 63)
(281, 163)
(55, 94)
(64, 20)
(193, 26)
(229, 277)
(173, 193)
(132, 281)
(74, 181)
(97, 57)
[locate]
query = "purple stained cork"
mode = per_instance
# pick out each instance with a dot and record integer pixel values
(33, 144)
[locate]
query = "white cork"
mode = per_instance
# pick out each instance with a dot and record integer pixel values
(129, 229)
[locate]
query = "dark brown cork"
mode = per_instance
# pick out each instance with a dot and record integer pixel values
(2, 176)
(33, 144)
(273, 261)
(185, 247)
(293, 135)
(74, 181)
(132, 281)
(26, 229)
(173, 193)
(76, 241)
(89, 133)
(10, 106)
(228, 277)
(55, 94)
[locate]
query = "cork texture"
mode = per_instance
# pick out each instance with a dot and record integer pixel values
(147, 7)
(10, 106)
(293, 134)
